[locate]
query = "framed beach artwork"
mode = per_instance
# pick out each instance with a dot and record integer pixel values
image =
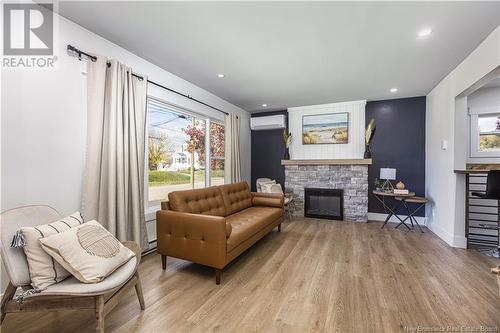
(330, 128)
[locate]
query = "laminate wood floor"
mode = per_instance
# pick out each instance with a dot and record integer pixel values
(314, 276)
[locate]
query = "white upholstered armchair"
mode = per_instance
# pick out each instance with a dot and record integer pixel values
(101, 297)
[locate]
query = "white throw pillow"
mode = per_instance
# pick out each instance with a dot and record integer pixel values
(44, 270)
(88, 251)
(272, 188)
(260, 183)
(264, 186)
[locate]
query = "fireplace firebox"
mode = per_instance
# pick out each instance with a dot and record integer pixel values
(324, 203)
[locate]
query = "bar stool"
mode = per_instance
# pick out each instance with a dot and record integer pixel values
(492, 193)
(420, 202)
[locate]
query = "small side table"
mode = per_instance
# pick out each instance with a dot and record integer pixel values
(393, 208)
(420, 202)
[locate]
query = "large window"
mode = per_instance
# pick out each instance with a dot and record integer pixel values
(176, 151)
(485, 133)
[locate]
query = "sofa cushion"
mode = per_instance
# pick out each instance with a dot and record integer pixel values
(236, 197)
(206, 201)
(248, 222)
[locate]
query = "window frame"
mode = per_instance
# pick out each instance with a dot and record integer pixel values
(474, 114)
(152, 207)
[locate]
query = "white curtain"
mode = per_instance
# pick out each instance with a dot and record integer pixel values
(232, 160)
(113, 189)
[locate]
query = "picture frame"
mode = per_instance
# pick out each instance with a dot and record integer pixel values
(326, 128)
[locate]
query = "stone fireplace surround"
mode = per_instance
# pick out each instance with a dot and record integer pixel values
(352, 178)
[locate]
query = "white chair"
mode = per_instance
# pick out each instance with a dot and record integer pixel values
(260, 181)
(70, 293)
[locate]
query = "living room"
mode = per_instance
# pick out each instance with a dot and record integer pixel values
(250, 166)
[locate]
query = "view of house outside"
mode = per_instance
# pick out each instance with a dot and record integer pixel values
(176, 152)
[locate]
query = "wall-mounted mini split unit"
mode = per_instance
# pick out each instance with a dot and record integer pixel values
(267, 122)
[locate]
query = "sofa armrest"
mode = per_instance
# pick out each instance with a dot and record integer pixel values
(165, 205)
(268, 199)
(195, 237)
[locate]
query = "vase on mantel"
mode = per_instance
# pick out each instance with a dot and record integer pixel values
(368, 153)
(287, 154)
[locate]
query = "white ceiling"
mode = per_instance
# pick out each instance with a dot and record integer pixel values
(289, 54)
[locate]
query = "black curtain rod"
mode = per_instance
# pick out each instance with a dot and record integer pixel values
(73, 50)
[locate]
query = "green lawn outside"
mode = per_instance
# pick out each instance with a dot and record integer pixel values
(158, 178)
(167, 178)
(489, 141)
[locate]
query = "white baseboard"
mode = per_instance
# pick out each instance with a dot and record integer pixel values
(381, 217)
(450, 239)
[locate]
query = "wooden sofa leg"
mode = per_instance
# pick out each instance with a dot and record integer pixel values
(164, 261)
(8, 294)
(138, 291)
(99, 313)
(279, 227)
(218, 273)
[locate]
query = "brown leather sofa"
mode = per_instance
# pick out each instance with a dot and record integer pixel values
(214, 225)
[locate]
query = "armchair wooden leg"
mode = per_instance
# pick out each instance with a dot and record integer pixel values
(164, 261)
(218, 273)
(7, 296)
(99, 313)
(138, 291)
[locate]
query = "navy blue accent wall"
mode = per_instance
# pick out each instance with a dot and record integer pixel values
(399, 142)
(268, 149)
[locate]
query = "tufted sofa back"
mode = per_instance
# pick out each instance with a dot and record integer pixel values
(216, 200)
(236, 197)
(206, 201)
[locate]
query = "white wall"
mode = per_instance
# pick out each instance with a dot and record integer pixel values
(43, 122)
(443, 186)
(354, 149)
(484, 98)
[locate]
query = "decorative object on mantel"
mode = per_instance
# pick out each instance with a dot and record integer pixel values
(388, 174)
(325, 128)
(369, 133)
(287, 139)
